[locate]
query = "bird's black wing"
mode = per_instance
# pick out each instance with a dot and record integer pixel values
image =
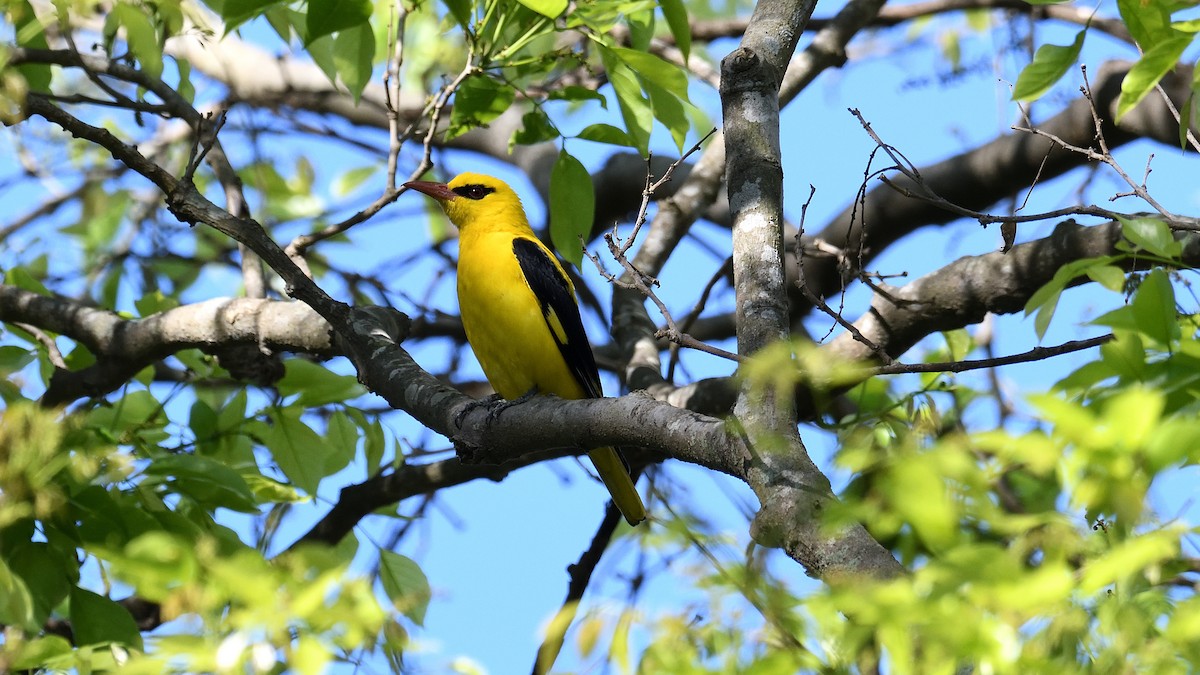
(549, 284)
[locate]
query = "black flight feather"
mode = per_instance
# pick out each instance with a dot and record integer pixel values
(553, 293)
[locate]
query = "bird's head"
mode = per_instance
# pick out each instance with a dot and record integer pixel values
(475, 198)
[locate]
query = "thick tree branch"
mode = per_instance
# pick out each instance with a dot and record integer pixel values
(964, 291)
(125, 346)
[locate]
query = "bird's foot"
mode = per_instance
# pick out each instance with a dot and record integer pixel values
(495, 405)
(496, 408)
(479, 403)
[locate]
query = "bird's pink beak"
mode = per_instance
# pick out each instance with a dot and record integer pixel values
(439, 191)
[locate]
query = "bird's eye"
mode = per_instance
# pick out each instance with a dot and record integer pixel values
(475, 192)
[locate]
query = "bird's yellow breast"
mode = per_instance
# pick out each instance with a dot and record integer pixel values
(504, 322)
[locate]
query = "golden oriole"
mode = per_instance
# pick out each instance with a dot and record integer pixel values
(519, 310)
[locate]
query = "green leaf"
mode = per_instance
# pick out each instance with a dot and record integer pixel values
(577, 93)
(405, 584)
(237, 12)
(98, 620)
(374, 442)
(49, 652)
(316, 384)
(14, 358)
(17, 607)
(606, 133)
(298, 450)
(462, 12)
(30, 33)
(1129, 558)
(341, 435)
(142, 37)
(1154, 308)
(330, 16)
(548, 8)
(1049, 64)
(47, 573)
(155, 302)
(207, 481)
(1045, 299)
(479, 100)
(1152, 235)
(1108, 276)
(641, 27)
(1150, 69)
(669, 110)
(269, 490)
(1126, 355)
(654, 69)
(1044, 308)
(572, 206)
(535, 128)
(676, 15)
(353, 57)
(135, 410)
(155, 564)
(1147, 20)
(280, 19)
(635, 107)
(346, 183)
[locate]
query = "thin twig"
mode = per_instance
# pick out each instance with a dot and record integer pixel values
(1035, 354)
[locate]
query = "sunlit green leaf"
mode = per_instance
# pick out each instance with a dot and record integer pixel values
(635, 107)
(676, 15)
(1049, 64)
(297, 449)
(142, 37)
(1128, 558)
(1156, 62)
(50, 652)
(405, 584)
(17, 607)
(316, 384)
(1147, 20)
(208, 481)
(1154, 308)
(548, 8)
(479, 100)
(346, 183)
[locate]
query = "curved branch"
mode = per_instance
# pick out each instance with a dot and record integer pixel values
(964, 291)
(125, 346)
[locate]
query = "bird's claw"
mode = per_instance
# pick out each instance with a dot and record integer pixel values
(495, 405)
(479, 403)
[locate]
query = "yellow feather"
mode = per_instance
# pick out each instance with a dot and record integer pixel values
(514, 336)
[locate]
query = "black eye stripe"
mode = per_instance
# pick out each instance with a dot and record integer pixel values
(474, 191)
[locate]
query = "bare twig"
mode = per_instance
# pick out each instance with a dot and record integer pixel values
(1035, 354)
(820, 302)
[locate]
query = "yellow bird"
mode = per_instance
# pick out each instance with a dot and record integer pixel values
(519, 310)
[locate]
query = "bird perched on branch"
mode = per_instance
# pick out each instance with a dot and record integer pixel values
(519, 310)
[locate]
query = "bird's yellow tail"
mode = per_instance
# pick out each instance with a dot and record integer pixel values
(616, 478)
